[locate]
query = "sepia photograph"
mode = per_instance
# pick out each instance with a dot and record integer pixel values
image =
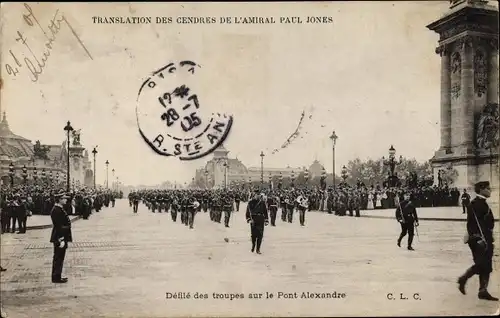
(241, 159)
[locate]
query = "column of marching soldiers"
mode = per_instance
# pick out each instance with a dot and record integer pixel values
(221, 203)
(343, 200)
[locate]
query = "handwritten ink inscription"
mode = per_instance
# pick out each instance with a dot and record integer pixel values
(35, 62)
(169, 118)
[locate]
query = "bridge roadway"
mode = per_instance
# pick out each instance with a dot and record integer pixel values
(123, 265)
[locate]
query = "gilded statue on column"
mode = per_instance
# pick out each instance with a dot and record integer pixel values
(76, 137)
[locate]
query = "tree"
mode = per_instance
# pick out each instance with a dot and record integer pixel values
(373, 172)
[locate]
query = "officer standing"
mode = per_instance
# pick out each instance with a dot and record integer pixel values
(465, 201)
(406, 214)
(60, 236)
(480, 223)
(258, 217)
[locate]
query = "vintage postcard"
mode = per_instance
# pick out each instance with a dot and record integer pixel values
(271, 159)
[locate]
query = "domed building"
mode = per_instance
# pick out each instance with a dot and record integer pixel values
(316, 169)
(221, 170)
(41, 164)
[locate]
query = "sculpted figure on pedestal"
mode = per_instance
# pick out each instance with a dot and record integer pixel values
(487, 132)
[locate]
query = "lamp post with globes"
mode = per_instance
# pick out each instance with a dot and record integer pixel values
(226, 166)
(68, 129)
(113, 179)
(206, 178)
(323, 179)
(334, 138)
(44, 176)
(107, 173)
(306, 176)
(292, 179)
(94, 152)
(262, 167)
(11, 173)
(391, 162)
(25, 174)
(344, 174)
(35, 174)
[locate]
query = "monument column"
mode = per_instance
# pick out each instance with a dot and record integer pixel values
(493, 73)
(445, 97)
(467, 97)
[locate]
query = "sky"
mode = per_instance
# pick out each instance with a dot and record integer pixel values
(372, 76)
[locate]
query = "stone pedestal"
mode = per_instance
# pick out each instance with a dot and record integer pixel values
(468, 47)
(76, 164)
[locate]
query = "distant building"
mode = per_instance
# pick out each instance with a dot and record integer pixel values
(214, 173)
(44, 163)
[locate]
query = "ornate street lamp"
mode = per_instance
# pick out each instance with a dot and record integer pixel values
(261, 167)
(226, 166)
(280, 183)
(68, 129)
(206, 178)
(25, 173)
(43, 175)
(306, 176)
(391, 162)
(94, 152)
(293, 178)
(270, 180)
(11, 173)
(35, 174)
(323, 179)
(113, 178)
(334, 138)
(107, 173)
(344, 173)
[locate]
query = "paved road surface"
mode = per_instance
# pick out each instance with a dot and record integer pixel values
(123, 264)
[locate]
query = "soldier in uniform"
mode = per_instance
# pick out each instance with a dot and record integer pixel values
(135, 202)
(465, 201)
(357, 203)
(237, 200)
(228, 207)
(302, 205)
(258, 217)
(283, 206)
(290, 205)
(60, 236)
(272, 203)
(406, 214)
(175, 208)
(480, 223)
(191, 211)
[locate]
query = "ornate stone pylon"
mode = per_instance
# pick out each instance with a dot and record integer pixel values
(468, 46)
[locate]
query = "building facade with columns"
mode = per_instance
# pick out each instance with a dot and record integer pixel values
(468, 47)
(221, 170)
(40, 164)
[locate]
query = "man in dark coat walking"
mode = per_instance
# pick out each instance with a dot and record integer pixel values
(480, 223)
(60, 236)
(258, 217)
(406, 214)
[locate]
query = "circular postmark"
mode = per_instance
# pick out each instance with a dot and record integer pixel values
(171, 117)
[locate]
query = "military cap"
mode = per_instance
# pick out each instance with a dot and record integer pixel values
(481, 185)
(61, 195)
